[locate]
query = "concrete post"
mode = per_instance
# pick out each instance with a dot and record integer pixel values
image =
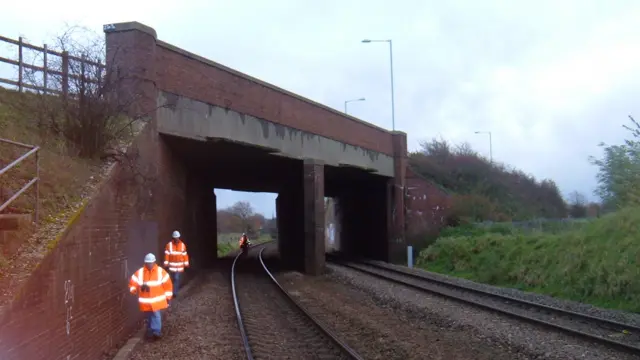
(314, 217)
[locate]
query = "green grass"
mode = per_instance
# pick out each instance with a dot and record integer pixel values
(228, 243)
(595, 263)
(62, 173)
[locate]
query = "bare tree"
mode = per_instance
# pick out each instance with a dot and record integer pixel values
(577, 205)
(244, 212)
(577, 198)
(80, 96)
(77, 96)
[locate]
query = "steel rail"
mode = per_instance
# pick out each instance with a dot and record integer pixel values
(321, 326)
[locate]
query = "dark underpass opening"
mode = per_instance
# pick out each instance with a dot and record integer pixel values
(302, 186)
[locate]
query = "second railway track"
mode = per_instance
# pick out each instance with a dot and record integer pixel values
(625, 337)
(272, 324)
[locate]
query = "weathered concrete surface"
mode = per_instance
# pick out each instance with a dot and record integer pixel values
(198, 120)
(313, 216)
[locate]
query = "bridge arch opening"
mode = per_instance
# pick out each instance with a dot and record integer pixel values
(301, 185)
(246, 212)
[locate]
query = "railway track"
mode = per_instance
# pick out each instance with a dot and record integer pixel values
(614, 334)
(274, 325)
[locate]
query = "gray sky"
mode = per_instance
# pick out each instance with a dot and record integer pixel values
(550, 79)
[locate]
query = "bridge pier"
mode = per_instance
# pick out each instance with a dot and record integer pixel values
(290, 220)
(313, 216)
(300, 218)
(199, 232)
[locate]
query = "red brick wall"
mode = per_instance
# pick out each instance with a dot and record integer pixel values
(186, 76)
(84, 279)
(427, 205)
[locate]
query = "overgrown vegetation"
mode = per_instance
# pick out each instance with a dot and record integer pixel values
(74, 113)
(619, 171)
(81, 119)
(485, 190)
(62, 173)
(592, 261)
(596, 263)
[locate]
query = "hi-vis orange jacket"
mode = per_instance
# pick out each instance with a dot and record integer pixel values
(175, 256)
(243, 239)
(160, 288)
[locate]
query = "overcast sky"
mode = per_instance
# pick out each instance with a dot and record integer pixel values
(549, 79)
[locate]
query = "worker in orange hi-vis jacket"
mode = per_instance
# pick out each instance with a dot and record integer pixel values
(244, 241)
(176, 260)
(154, 289)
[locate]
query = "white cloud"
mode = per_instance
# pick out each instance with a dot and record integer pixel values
(549, 79)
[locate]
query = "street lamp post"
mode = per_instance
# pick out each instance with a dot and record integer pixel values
(393, 110)
(348, 101)
(490, 144)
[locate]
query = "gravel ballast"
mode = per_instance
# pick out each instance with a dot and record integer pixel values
(381, 332)
(201, 324)
(275, 327)
(530, 341)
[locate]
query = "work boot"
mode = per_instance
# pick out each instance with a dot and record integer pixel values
(157, 336)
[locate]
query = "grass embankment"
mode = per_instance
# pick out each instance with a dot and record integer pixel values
(62, 174)
(65, 181)
(229, 242)
(595, 262)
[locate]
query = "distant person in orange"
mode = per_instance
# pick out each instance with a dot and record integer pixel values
(244, 241)
(176, 260)
(154, 289)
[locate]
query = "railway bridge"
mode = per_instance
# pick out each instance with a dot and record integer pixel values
(206, 126)
(212, 127)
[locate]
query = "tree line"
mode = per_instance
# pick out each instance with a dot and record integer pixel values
(483, 190)
(242, 218)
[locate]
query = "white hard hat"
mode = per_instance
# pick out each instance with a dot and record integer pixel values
(150, 258)
(176, 234)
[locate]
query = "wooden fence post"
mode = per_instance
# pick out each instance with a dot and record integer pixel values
(82, 74)
(45, 70)
(20, 69)
(65, 74)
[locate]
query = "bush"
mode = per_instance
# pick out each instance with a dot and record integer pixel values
(485, 190)
(594, 263)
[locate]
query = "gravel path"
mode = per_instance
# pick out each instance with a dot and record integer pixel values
(531, 341)
(276, 330)
(201, 324)
(377, 331)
